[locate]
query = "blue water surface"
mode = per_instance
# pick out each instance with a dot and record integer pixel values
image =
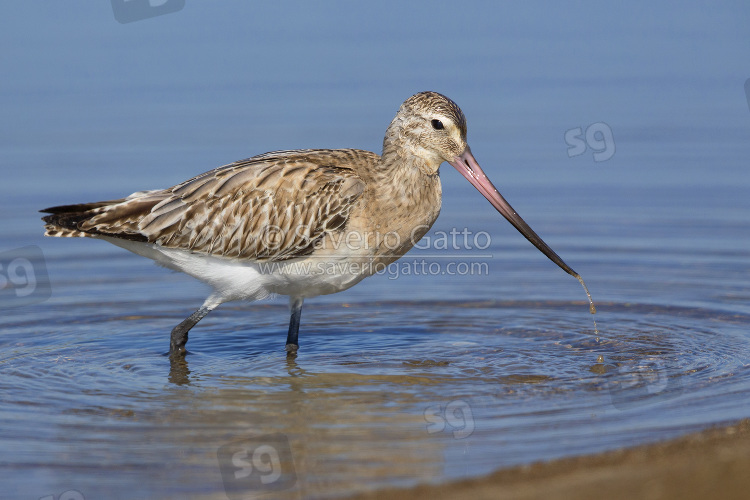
(620, 133)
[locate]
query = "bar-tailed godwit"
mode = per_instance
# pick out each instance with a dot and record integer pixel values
(299, 223)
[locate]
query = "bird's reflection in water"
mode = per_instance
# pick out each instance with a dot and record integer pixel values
(292, 367)
(300, 404)
(179, 373)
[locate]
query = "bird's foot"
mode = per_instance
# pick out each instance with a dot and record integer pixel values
(291, 349)
(177, 351)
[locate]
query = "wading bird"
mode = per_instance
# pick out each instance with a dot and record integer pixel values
(299, 223)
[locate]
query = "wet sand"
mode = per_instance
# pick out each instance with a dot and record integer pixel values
(711, 464)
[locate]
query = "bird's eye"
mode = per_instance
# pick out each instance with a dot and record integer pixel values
(437, 125)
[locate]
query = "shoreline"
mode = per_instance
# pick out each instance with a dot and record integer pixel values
(714, 463)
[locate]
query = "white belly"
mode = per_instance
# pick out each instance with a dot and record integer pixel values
(249, 280)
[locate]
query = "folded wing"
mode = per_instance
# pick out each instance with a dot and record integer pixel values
(275, 206)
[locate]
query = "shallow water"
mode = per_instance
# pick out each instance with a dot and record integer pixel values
(398, 381)
(419, 374)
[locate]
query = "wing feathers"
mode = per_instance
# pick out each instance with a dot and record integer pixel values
(274, 206)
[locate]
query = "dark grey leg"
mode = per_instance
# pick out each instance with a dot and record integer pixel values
(179, 336)
(292, 342)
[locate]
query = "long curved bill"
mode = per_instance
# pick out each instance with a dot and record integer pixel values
(470, 169)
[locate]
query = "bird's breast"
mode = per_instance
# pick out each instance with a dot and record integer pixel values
(394, 221)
